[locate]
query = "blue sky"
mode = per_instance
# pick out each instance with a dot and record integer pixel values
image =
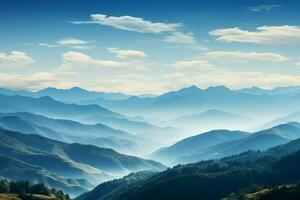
(143, 46)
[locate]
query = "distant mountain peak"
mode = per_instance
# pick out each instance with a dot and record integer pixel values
(78, 89)
(219, 88)
(192, 88)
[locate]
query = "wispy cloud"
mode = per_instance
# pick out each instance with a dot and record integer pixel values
(72, 41)
(246, 56)
(181, 38)
(140, 25)
(192, 65)
(81, 47)
(130, 23)
(15, 59)
(262, 35)
(69, 42)
(127, 53)
(49, 45)
(265, 7)
(78, 59)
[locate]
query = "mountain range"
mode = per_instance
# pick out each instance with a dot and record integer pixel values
(74, 139)
(89, 114)
(193, 100)
(71, 95)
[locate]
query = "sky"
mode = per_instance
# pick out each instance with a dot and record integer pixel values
(143, 46)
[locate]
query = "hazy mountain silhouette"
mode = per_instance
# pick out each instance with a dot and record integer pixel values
(193, 100)
(211, 120)
(293, 117)
(74, 94)
(194, 144)
(50, 107)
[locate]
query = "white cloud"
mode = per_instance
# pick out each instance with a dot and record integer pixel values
(130, 23)
(48, 45)
(132, 84)
(82, 60)
(181, 38)
(262, 35)
(246, 79)
(127, 53)
(72, 41)
(229, 78)
(193, 65)
(249, 56)
(137, 24)
(15, 59)
(263, 7)
(36, 81)
(81, 47)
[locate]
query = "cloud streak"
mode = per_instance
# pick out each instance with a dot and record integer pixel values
(181, 38)
(77, 59)
(130, 23)
(192, 65)
(263, 7)
(246, 56)
(262, 35)
(127, 53)
(140, 25)
(72, 41)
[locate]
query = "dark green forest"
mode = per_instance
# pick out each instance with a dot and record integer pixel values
(25, 190)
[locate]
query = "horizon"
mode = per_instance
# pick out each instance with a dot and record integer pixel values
(159, 94)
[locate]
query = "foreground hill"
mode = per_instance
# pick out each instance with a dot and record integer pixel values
(286, 192)
(89, 163)
(214, 179)
(24, 190)
(18, 170)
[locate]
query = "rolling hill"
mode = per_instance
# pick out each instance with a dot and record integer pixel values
(89, 163)
(222, 143)
(72, 131)
(17, 170)
(261, 140)
(194, 144)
